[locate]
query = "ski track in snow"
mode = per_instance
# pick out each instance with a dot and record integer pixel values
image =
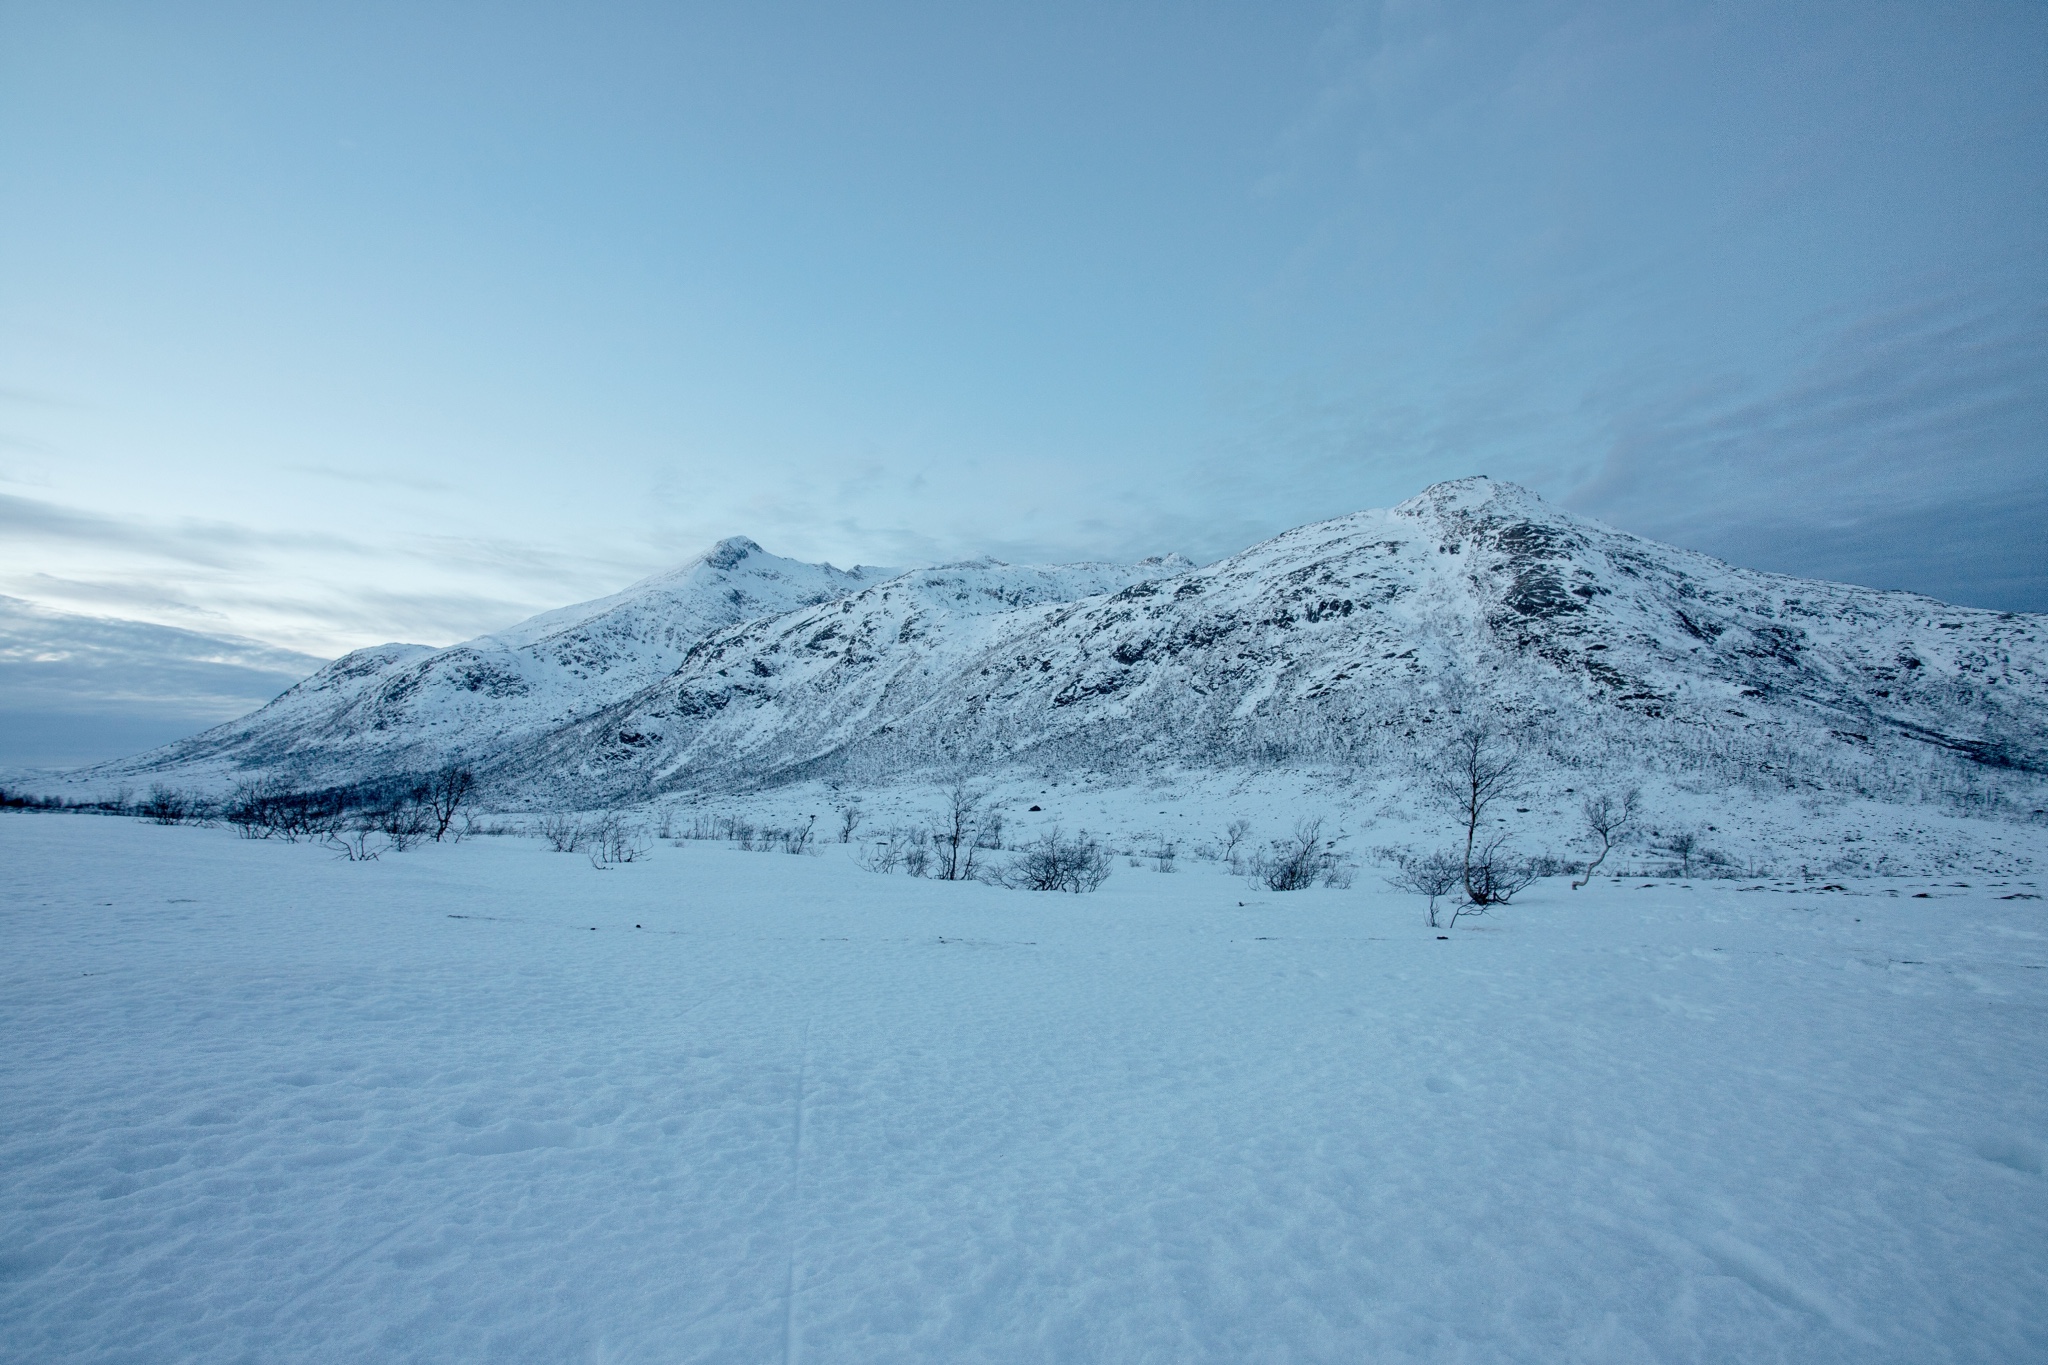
(260, 1104)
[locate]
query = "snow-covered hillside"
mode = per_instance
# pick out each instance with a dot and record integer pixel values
(402, 707)
(1346, 641)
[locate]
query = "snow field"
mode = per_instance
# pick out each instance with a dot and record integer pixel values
(260, 1104)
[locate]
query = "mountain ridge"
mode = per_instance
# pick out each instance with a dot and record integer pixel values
(1343, 641)
(1335, 641)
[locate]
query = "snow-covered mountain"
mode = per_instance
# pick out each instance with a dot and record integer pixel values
(1345, 640)
(1349, 641)
(405, 707)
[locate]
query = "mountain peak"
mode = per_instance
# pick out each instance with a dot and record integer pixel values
(729, 552)
(1475, 493)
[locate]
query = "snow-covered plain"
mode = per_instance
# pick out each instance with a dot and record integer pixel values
(487, 1102)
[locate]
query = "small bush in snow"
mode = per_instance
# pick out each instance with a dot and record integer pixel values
(261, 811)
(613, 840)
(402, 825)
(564, 834)
(1494, 874)
(884, 854)
(167, 805)
(1300, 861)
(1229, 847)
(1056, 863)
(1434, 875)
(1689, 849)
(354, 845)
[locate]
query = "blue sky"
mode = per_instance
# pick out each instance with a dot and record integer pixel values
(330, 325)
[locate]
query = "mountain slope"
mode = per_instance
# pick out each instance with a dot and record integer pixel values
(406, 707)
(1343, 640)
(775, 693)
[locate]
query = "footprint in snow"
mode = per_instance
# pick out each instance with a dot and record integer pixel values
(518, 1136)
(2014, 1152)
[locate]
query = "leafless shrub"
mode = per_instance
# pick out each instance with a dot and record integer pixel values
(16, 800)
(850, 818)
(260, 811)
(612, 840)
(1434, 875)
(1299, 861)
(1162, 857)
(167, 805)
(1229, 848)
(1055, 863)
(403, 825)
(564, 833)
(884, 854)
(1684, 845)
(1494, 874)
(353, 845)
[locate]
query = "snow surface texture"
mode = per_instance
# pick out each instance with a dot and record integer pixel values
(453, 1105)
(1346, 643)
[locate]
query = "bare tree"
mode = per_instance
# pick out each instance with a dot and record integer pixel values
(956, 839)
(1234, 834)
(849, 821)
(1434, 875)
(444, 794)
(1684, 845)
(1607, 818)
(1479, 767)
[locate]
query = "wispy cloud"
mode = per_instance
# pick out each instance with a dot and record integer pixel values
(1908, 451)
(59, 661)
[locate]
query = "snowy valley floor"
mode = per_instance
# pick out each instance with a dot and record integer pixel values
(259, 1104)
